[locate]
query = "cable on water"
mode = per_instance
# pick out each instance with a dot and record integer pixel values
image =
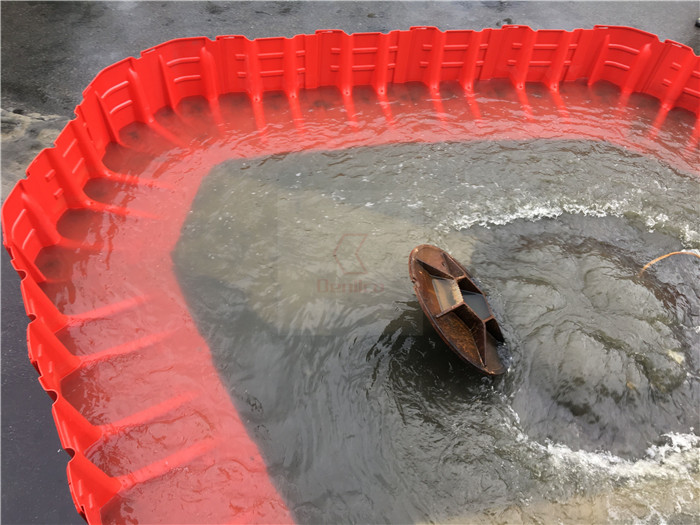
(647, 265)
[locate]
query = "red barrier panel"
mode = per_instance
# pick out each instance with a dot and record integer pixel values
(219, 461)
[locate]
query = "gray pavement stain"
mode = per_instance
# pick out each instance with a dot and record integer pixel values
(52, 50)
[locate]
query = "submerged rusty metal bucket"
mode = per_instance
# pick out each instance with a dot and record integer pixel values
(456, 307)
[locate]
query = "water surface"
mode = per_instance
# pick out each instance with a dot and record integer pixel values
(295, 268)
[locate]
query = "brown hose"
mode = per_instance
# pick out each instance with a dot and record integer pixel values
(647, 265)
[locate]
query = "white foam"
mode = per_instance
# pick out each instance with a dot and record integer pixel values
(678, 443)
(533, 211)
(676, 459)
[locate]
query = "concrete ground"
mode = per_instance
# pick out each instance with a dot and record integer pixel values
(51, 51)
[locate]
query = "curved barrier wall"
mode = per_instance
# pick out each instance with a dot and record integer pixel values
(150, 481)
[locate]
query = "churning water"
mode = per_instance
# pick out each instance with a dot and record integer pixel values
(295, 268)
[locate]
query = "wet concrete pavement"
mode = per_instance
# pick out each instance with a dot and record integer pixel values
(51, 51)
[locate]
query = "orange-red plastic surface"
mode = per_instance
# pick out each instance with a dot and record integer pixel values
(206, 451)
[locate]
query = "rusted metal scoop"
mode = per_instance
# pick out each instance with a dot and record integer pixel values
(456, 307)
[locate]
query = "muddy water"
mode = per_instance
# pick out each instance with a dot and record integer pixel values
(294, 267)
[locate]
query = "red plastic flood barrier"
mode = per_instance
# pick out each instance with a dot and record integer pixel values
(132, 460)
